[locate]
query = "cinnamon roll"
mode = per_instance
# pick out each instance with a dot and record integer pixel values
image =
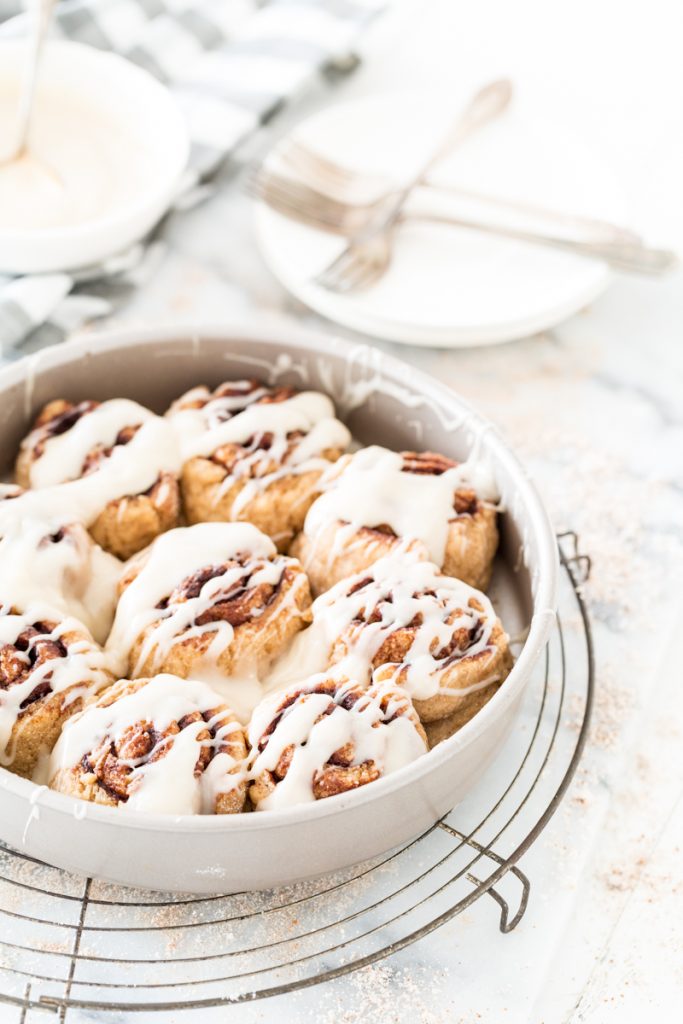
(255, 453)
(209, 601)
(163, 746)
(328, 736)
(377, 500)
(405, 621)
(49, 669)
(62, 567)
(111, 465)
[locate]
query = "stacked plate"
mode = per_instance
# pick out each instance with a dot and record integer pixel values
(451, 286)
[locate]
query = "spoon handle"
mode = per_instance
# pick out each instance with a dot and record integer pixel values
(39, 15)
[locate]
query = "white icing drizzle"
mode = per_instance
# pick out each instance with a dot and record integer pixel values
(371, 489)
(170, 559)
(131, 469)
(63, 454)
(244, 418)
(167, 785)
(236, 419)
(74, 577)
(83, 667)
(399, 591)
(64, 569)
(315, 733)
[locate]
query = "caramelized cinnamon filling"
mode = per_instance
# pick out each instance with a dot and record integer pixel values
(333, 779)
(382, 528)
(33, 647)
(240, 603)
(460, 643)
(97, 455)
(154, 492)
(326, 686)
(114, 761)
(239, 389)
(280, 394)
(56, 418)
(396, 646)
(53, 538)
(339, 774)
(466, 503)
(228, 456)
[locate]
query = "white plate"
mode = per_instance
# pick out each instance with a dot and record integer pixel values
(449, 286)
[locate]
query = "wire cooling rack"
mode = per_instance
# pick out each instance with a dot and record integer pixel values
(68, 942)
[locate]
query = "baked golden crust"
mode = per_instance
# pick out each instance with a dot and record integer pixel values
(128, 525)
(55, 418)
(471, 546)
(442, 728)
(112, 770)
(278, 510)
(469, 672)
(48, 672)
(259, 480)
(339, 550)
(125, 525)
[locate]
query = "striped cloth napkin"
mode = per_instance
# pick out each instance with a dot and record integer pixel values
(231, 65)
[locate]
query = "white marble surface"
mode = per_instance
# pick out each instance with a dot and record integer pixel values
(595, 408)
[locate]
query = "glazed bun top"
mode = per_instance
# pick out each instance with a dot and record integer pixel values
(376, 488)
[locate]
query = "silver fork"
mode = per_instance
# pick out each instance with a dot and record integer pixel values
(346, 216)
(366, 190)
(368, 254)
(301, 202)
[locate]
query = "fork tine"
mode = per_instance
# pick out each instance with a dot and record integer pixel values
(355, 277)
(306, 192)
(288, 208)
(344, 215)
(360, 274)
(347, 184)
(337, 269)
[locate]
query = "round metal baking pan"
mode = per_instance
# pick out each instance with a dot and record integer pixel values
(383, 401)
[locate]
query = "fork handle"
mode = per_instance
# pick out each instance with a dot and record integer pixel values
(626, 256)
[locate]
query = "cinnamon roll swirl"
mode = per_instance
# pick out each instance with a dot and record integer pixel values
(49, 669)
(255, 453)
(208, 601)
(60, 566)
(112, 465)
(162, 745)
(377, 500)
(328, 736)
(405, 621)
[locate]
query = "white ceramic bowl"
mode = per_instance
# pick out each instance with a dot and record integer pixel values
(383, 401)
(156, 124)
